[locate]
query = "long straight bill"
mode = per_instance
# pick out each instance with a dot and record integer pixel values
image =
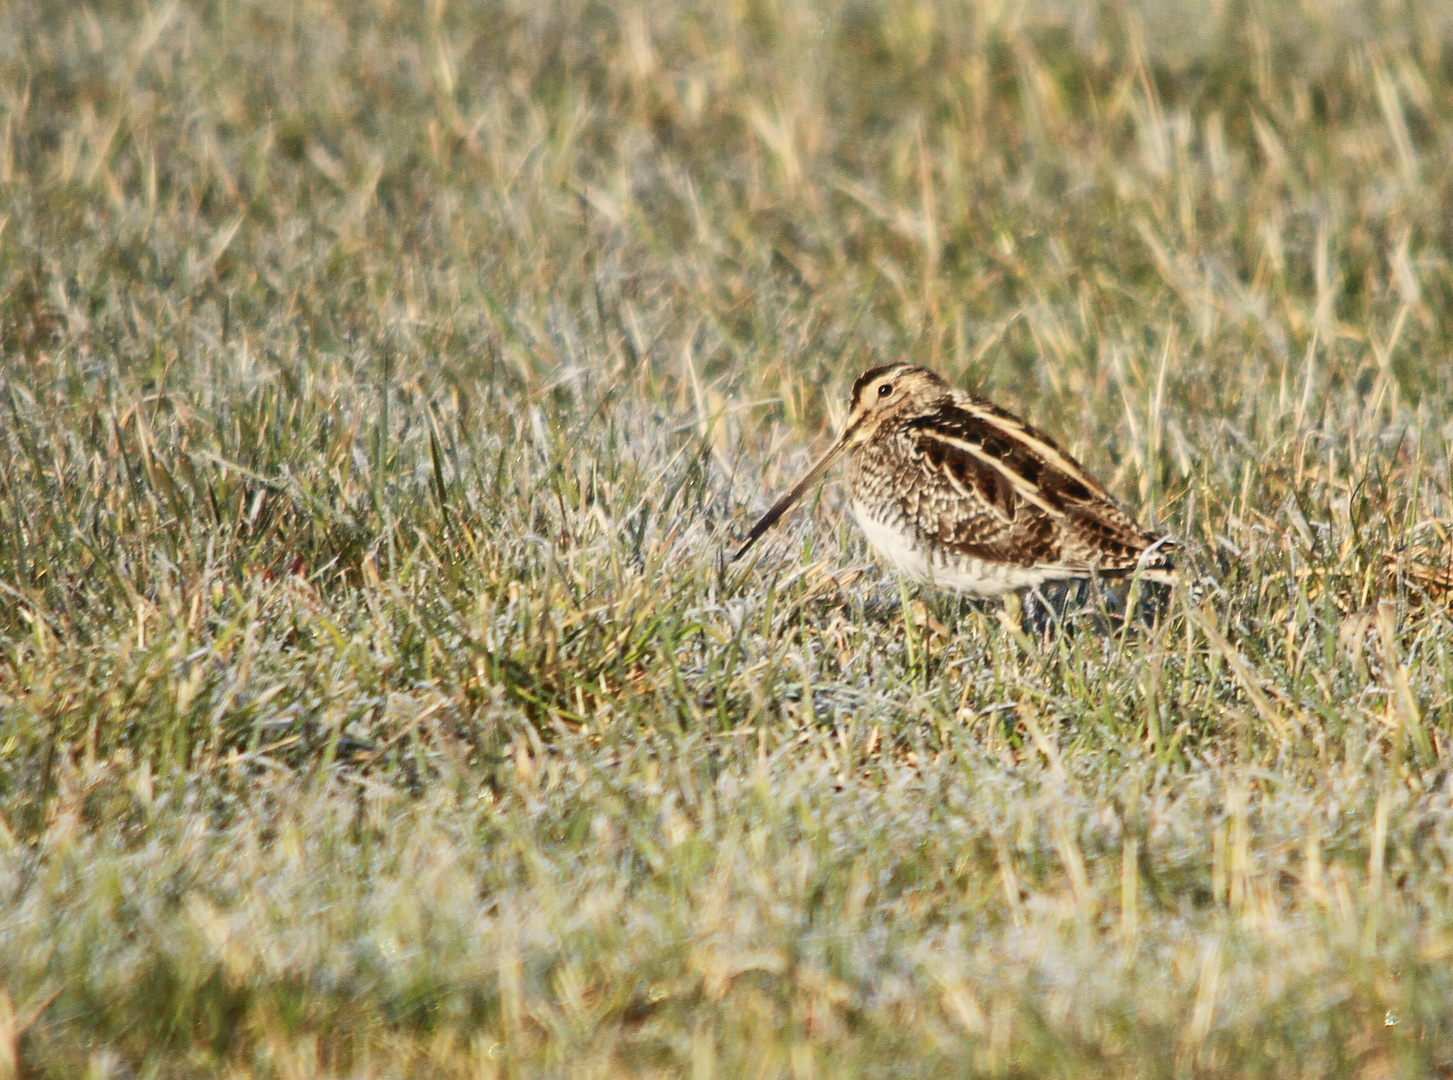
(782, 505)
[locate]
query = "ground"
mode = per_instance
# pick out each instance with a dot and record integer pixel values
(384, 385)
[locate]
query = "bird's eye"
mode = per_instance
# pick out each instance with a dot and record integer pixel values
(885, 389)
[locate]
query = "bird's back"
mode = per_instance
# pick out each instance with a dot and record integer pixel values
(971, 484)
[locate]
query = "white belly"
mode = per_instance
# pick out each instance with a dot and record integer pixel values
(973, 576)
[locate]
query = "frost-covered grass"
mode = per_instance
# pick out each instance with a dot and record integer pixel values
(383, 383)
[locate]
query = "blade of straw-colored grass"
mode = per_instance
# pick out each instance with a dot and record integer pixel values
(1280, 725)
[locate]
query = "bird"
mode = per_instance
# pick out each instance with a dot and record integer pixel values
(952, 490)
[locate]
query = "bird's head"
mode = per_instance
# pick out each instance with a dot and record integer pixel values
(885, 394)
(881, 395)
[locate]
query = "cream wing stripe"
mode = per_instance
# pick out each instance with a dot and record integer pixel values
(1022, 485)
(1015, 430)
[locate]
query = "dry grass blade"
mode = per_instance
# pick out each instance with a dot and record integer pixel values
(381, 384)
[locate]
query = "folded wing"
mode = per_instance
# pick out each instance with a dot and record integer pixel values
(1004, 491)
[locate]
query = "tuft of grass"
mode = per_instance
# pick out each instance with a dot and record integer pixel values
(381, 386)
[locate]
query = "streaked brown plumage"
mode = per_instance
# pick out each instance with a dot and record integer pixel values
(954, 490)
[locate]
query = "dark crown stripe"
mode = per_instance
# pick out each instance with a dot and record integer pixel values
(868, 376)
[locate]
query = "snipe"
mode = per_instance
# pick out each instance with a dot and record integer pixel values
(953, 490)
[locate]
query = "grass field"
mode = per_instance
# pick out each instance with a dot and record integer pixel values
(382, 384)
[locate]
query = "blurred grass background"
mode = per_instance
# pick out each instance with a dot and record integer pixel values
(382, 384)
